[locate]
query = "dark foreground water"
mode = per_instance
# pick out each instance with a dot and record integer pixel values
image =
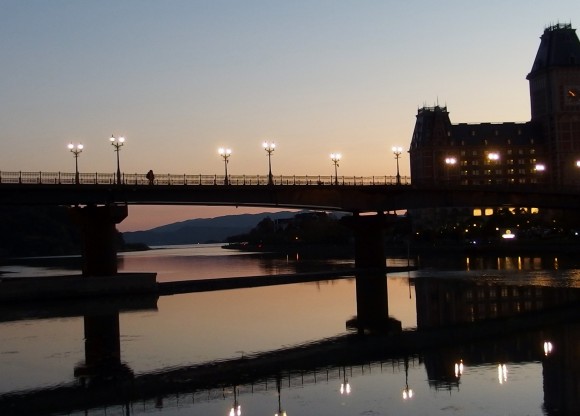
(479, 337)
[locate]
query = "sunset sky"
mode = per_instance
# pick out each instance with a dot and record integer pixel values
(180, 78)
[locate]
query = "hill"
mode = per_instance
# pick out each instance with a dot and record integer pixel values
(202, 230)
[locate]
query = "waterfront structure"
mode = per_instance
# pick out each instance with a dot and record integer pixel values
(544, 150)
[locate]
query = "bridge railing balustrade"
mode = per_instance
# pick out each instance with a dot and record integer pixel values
(197, 180)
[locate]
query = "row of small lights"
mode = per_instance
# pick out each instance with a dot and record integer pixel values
(225, 153)
(540, 167)
(345, 388)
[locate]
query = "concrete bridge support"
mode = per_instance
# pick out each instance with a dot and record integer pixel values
(369, 241)
(102, 350)
(97, 224)
(372, 305)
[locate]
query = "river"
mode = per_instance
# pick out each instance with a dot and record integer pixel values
(51, 355)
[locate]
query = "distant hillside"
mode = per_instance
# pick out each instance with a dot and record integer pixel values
(202, 230)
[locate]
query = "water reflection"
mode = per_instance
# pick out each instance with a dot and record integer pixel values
(459, 322)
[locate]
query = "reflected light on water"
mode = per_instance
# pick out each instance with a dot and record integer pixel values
(502, 373)
(548, 347)
(236, 410)
(459, 368)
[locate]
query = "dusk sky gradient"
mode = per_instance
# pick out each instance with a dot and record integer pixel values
(179, 79)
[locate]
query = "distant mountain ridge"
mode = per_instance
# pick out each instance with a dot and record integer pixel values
(202, 230)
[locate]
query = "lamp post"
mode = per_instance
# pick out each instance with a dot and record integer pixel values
(225, 153)
(76, 151)
(269, 147)
(236, 409)
(449, 163)
(345, 385)
(407, 392)
(117, 143)
(397, 150)
(279, 388)
(335, 157)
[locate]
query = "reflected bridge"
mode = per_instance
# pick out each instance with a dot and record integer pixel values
(528, 315)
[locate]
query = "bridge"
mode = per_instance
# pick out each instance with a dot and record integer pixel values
(99, 201)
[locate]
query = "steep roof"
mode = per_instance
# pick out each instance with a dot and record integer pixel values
(559, 47)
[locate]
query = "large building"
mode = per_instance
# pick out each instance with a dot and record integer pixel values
(545, 150)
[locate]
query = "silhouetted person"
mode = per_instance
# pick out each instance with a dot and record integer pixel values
(150, 177)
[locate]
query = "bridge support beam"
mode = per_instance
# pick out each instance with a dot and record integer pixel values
(99, 235)
(369, 241)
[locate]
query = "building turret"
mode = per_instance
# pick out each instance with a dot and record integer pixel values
(555, 100)
(431, 135)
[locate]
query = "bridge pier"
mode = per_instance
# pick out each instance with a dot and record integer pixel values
(99, 237)
(369, 240)
(372, 305)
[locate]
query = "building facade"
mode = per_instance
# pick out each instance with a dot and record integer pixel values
(545, 150)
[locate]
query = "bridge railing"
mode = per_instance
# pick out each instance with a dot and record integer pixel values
(185, 179)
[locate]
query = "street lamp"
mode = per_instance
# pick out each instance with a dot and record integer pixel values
(335, 157)
(225, 153)
(345, 385)
(449, 162)
(269, 147)
(236, 409)
(117, 142)
(279, 388)
(397, 150)
(407, 392)
(76, 151)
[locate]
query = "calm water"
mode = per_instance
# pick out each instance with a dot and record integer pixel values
(55, 355)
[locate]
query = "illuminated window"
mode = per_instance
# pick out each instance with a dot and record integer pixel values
(488, 211)
(477, 212)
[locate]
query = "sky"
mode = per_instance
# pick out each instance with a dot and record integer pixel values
(181, 78)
